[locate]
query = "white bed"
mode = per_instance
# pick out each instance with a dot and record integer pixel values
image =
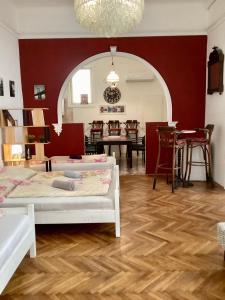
(70, 209)
(17, 237)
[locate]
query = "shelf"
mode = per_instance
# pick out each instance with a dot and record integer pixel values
(26, 126)
(9, 144)
(32, 118)
(26, 108)
(28, 160)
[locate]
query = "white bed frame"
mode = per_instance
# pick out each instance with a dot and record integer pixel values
(24, 245)
(87, 215)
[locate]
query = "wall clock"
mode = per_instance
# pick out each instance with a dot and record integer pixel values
(112, 95)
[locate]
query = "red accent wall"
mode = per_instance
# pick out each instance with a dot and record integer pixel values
(70, 141)
(181, 60)
(152, 145)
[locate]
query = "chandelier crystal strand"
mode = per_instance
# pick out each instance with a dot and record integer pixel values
(108, 17)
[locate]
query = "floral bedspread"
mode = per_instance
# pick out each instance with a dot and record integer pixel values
(10, 177)
(90, 183)
(98, 158)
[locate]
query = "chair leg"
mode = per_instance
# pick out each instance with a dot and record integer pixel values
(209, 152)
(186, 164)
(173, 170)
(156, 170)
(190, 164)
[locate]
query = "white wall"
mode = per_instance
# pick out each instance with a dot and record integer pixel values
(144, 101)
(215, 104)
(10, 70)
(38, 18)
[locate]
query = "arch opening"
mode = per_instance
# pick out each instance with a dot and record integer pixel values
(58, 126)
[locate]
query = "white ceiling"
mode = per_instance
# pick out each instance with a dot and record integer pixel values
(55, 18)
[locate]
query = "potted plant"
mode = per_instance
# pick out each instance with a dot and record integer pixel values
(31, 138)
(41, 138)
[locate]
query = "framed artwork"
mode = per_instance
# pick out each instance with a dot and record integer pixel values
(1, 87)
(215, 71)
(84, 99)
(39, 92)
(112, 109)
(12, 88)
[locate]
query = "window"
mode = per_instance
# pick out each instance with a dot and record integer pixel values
(81, 87)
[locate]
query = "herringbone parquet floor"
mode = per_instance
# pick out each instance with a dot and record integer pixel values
(167, 250)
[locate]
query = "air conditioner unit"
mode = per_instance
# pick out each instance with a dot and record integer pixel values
(140, 77)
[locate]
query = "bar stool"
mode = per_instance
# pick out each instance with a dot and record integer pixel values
(204, 143)
(169, 145)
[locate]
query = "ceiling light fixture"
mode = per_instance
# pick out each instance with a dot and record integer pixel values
(113, 78)
(109, 17)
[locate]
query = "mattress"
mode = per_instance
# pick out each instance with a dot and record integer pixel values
(13, 228)
(90, 183)
(66, 203)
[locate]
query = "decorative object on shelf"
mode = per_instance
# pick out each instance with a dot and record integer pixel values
(1, 87)
(112, 95)
(12, 88)
(39, 92)
(31, 138)
(112, 109)
(42, 139)
(109, 17)
(215, 71)
(8, 119)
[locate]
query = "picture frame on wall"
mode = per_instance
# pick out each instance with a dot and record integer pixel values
(84, 99)
(12, 88)
(1, 87)
(215, 71)
(39, 92)
(112, 109)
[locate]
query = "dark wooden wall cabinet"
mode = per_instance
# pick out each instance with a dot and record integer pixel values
(215, 71)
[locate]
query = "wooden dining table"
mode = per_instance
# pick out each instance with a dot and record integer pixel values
(116, 140)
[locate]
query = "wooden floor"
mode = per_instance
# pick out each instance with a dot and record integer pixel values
(167, 250)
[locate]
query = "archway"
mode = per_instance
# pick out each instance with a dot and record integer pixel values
(58, 126)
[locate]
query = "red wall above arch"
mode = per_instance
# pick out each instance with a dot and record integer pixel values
(181, 60)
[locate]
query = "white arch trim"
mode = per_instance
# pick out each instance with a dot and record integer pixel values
(58, 126)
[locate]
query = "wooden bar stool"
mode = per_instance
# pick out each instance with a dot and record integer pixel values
(204, 142)
(169, 145)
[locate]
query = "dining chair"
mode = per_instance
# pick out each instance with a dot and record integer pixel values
(132, 128)
(114, 129)
(139, 145)
(96, 129)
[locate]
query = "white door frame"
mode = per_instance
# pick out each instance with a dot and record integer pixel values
(58, 126)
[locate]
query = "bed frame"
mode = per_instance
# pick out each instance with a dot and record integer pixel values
(24, 245)
(87, 215)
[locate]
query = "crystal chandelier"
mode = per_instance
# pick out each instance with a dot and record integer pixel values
(108, 17)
